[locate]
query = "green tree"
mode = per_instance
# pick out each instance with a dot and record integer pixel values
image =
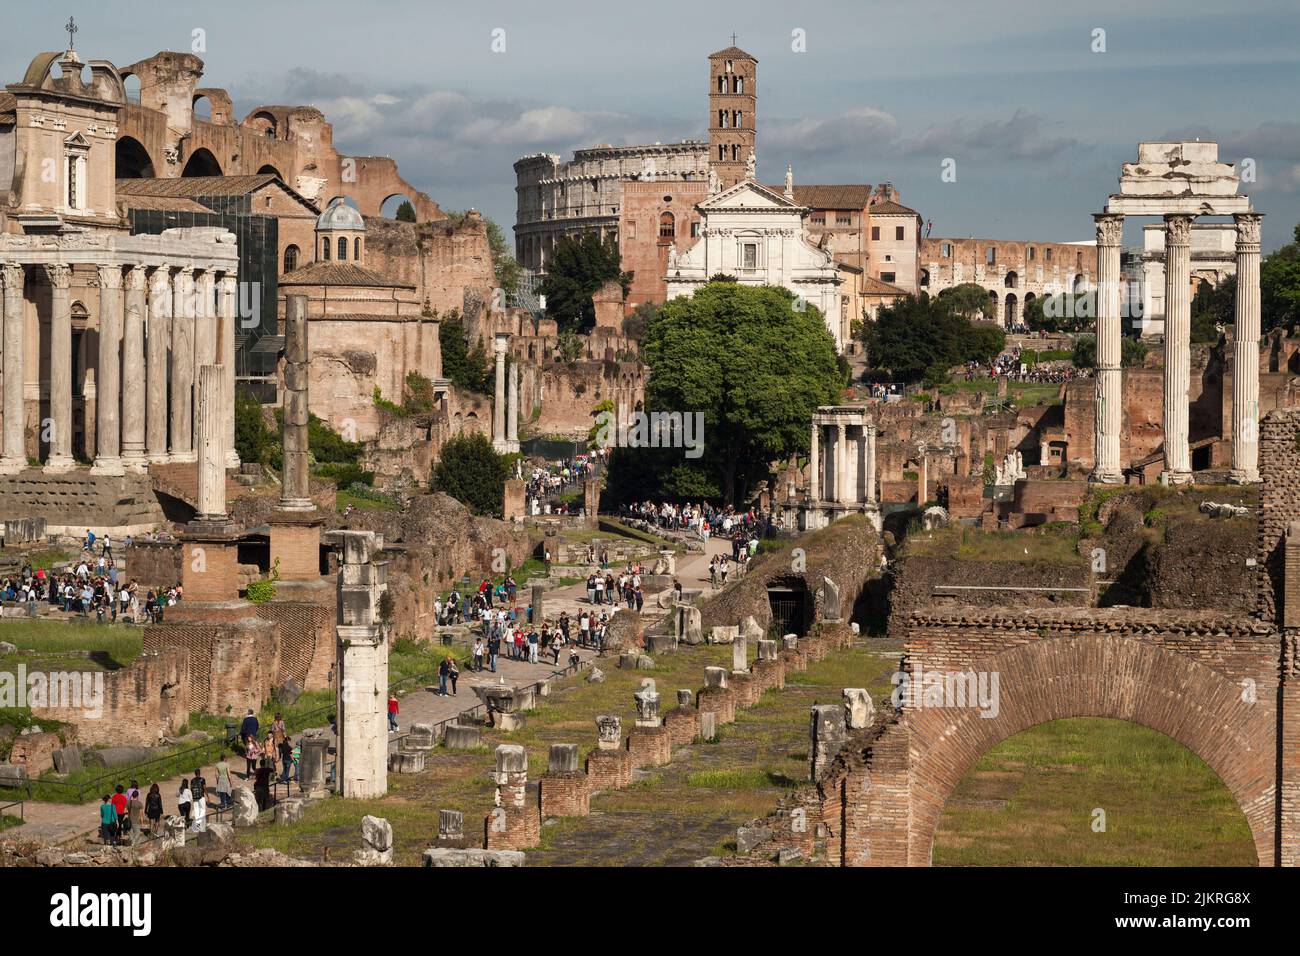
(971, 301)
(472, 472)
(920, 339)
(578, 267)
(635, 324)
(1279, 287)
(253, 437)
(754, 365)
(405, 212)
(1211, 306)
(1132, 352)
(465, 367)
(508, 271)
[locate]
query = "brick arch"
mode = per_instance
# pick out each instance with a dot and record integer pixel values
(1102, 676)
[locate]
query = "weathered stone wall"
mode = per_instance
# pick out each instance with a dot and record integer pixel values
(142, 702)
(70, 503)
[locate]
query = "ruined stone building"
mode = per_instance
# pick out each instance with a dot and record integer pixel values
(1013, 271)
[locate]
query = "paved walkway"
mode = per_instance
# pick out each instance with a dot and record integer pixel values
(58, 823)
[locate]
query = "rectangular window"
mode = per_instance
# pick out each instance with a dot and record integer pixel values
(843, 219)
(886, 277)
(1031, 253)
(695, 229)
(945, 250)
(631, 229)
(991, 256)
(898, 233)
(875, 233)
(749, 256)
(72, 182)
(1048, 254)
(818, 220)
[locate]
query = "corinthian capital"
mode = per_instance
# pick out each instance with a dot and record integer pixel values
(1110, 228)
(60, 274)
(12, 275)
(110, 277)
(1178, 230)
(1248, 227)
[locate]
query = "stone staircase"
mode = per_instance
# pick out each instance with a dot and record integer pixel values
(180, 480)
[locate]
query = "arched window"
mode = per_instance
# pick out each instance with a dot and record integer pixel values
(343, 248)
(722, 84)
(667, 226)
(739, 122)
(325, 249)
(1010, 280)
(738, 84)
(722, 119)
(290, 258)
(356, 249)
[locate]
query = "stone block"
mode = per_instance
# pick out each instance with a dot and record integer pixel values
(460, 737)
(441, 857)
(245, 814)
(708, 725)
(563, 758)
(748, 839)
(404, 761)
(376, 842)
(715, 677)
(419, 737)
(858, 708)
(289, 811)
(723, 633)
(451, 825)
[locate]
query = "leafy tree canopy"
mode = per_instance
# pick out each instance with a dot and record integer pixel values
(472, 472)
(578, 267)
(405, 212)
(919, 339)
(466, 368)
(753, 365)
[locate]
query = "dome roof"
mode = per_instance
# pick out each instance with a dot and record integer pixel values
(339, 215)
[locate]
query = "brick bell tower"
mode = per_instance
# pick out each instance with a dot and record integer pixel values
(733, 98)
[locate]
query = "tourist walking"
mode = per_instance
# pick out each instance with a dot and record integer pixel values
(153, 809)
(392, 712)
(183, 801)
(225, 790)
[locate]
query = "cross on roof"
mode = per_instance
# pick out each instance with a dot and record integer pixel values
(71, 27)
(733, 39)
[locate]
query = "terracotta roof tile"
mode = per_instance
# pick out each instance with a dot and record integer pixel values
(889, 208)
(339, 273)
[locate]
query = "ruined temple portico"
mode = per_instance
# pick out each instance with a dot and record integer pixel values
(1178, 182)
(147, 301)
(841, 466)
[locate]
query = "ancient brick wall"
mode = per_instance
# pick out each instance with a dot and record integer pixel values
(147, 700)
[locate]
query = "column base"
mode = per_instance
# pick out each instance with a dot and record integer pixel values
(185, 457)
(1242, 477)
(232, 461)
(1106, 477)
(1175, 477)
(135, 463)
(505, 446)
(59, 464)
(12, 466)
(159, 458)
(108, 466)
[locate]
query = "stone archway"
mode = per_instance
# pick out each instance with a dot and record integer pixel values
(1103, 675)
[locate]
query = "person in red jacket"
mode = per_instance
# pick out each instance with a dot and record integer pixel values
(392, 712)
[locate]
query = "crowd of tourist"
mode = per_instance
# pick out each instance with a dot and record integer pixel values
(91, 586)
(1009, 365)
(545, 485)
(704, 519)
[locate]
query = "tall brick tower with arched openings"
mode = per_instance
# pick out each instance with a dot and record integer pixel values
(733, 98)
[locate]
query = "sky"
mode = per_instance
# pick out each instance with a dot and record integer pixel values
(1030, 106)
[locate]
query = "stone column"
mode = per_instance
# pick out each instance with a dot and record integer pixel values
(108, 398)
(60, 453)
(157, 334)
(1110, 384)
(295, 492)
(512, 406)
(1245, 353)
(499, 396)
(435, 348)
(182, 342)
(1178, 328)
(205, 334)
(869, 433)
(362, 668)
(814, 465)
(227, 314)
(133, 373)
(14, 459)
(211, 442)
(841, 462)
(922, 479)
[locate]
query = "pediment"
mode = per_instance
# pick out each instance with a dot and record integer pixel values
(749, 195)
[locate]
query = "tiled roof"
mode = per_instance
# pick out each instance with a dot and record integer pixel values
(830, 197)
(192, 186)
(8, 105)
(872, 286)
(200, 187)
(165, 203)
(340, 273)
(735, 53)
(889, 208)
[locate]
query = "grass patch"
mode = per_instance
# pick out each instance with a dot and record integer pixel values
(364, 503)
(1031, 801)
(69, 645)
(1051, 544)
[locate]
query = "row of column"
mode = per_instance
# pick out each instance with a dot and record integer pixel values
(834, 486)
(152, 340)
(1178, 321)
